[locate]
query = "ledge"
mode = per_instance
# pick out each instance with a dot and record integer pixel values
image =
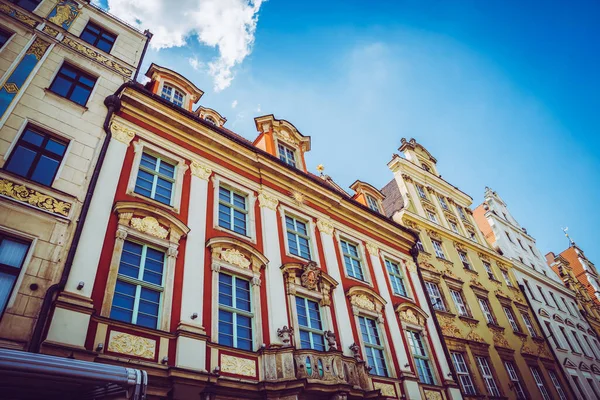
(70, 102)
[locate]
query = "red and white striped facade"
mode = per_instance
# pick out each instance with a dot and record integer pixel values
(183, 354)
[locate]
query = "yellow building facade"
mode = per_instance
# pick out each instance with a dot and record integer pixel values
(489, 332)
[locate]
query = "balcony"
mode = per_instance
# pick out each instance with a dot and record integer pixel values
(331, 367)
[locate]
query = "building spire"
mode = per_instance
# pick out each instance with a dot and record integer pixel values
(571, 242)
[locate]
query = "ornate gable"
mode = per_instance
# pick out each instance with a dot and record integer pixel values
(235, 253)
(309, 278)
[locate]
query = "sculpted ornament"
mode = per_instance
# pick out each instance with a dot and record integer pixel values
(325, 226)
(355, 351)
(372, 249)
(237, 365)
(410, 266)
(411, 317)
(311, 276)
(150, 226)
(266, 200)
(331, 340)
(431, 395)
(362, 301)
(286, 137)
(285, 334)
(500, 340)
(386, 389)
(124, 343)
(200, 170)
(122, 134)
(34, 198)
(235, 257)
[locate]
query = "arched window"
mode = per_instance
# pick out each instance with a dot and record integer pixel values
(172, 94)
(426, 167)
(211, 120)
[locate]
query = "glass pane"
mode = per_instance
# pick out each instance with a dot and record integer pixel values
(80, 95)
(68, 71)
(56, 147)
(13, 253)
(147, 321)
(6, 285)
(87, 81)
(45, 170)
(104, 45)
(33, 137)
(304, 340)
(167, 169)
(61, 86)
(20, 161)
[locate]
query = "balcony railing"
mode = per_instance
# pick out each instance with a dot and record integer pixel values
(331, 367)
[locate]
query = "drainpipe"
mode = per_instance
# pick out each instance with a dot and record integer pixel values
(113, 104)
(414, 252)
(148, 35)
(546, 337)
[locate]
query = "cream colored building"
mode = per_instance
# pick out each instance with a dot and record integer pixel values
(58, 63)
(490, 334)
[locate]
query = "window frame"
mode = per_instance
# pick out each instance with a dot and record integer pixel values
(443, 203)
(156, 174)
(174, 89)
(102, 30)
(487, 310)
(454, 227)
(372, 203)
(297, 234)
(512, 319)
(557, 386)
(10, 35)
(432, 216)
(514, 376)
(529, 324)
(421, 191)
(430, 288)
(539, 381)
(364, 267)
(141, 146)
(16, 2)
(380, 347)
(488, 269)
(80, 72)
(489, 378)
(240, 188)
(236, 311)
(464, 258)
(394, 276)
(311, 331)
(506, 277)
(458, 294)
(411, 336)
(439, 252)
(27, 125)
(21, 237)
(232, 208)
(463, 373)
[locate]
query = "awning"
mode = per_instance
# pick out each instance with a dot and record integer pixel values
(30, 376)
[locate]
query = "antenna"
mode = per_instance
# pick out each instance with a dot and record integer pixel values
(565, 229)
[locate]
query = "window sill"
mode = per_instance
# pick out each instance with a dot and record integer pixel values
(469, 319)
(443, 312)
(520, 334)
(299, 258)
(152, 201)
(445, 260)
(358, 280)
(471, 271)
(495, 327)
(238, 235)
(64, 100)
(561, 350)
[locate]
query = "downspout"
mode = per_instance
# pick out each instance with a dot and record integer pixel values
(546, 337)
(414, 252)
(148, 35)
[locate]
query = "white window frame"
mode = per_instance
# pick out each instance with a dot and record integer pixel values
(412, 334)
(26, 261)
(464, 258)
(488, 268)
(372, 203)
(459, 303)
(291, 149)
(488, 376)
(156, 174)
(438, 248)
(401, 275)
(236, 311)
(175, 87)
(454, 227)
(486, 310)
(361, 252)
(140, 146)
(421, 191)
(250, 195)
(510, 315)
(529, 324)
(506, 277)
(443, 203)
(511, 369)
(462, 370)
(432, 216)
(433, 289)
(310, 226)
(312, 331)
(536, 373)
(420, 245)
(383, 346)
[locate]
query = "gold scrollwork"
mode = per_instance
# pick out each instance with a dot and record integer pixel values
(13, 12)
(38, 48)
(94, 55)
(33, 197)
(387, 389)
(150, 226)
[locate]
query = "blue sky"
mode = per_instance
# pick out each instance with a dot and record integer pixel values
(504, 94)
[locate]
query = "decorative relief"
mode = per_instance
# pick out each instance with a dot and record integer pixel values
(11, 88)
(407, 178)
(500, 340)
(484, 257)
(121, 133)
(372, 249)
(50, 31)
(325, 226)
(286, 137)
(311, 276)
(411, 317)
(124, 343)
(94, 55)
(412, 225)
(298, 197)
(238, 366)
(32, 197)
(434, 234)
(285, 334)
(362, 301)
(13, 12)
(431, 395)
(150, 226)
(448, 327)
(64, 13)
(460, 247)
(266, 200)
(200, 170)
(410, 266)
(235, 257)
(387, 389)
(38, 48)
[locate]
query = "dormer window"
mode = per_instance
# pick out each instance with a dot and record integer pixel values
(373, 204)
(286, 154)
(173, 95)
(426, 167)
(210, 120)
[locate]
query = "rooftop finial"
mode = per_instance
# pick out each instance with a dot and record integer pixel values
(571, 242)
(320, 168)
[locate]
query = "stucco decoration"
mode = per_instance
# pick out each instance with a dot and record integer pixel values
(121, 133)
(124, 343)
(434, 234)
(266, 200)
(325, 226)
(411, 317)
(448, 327)
(363, 302)
(298, 197)
(238, 366)
(96, 56)
(500, 340)
(64, 13)
(18, 15)
(460, 247)
(286, 136)
(200, 170)
(50, 31)
(311, 276)
(412, 225)
(410, 266)
(431, 395)
(34, 198)
(484, 257)
(235, 257)
(387, 389)
(150, 226)
(407, 178)
(373, 249)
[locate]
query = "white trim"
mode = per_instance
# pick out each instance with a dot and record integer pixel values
(217, 180)
(401, 263)
(9, 39)
(26, 261)
(310, 226)
(295, 149)
(362, 253)
(174, 86)
(387, 355)
(326, 323)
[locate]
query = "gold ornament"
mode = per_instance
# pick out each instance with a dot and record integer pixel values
(124, 343)
(30, 196)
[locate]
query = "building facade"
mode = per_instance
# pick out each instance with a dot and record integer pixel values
(571, 338)
(490, 333)
(59, 60)
(226, 270)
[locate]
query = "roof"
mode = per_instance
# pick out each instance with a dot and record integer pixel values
(393, 200)
(191, 88)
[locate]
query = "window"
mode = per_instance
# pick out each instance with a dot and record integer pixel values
(432, 217)
(589, 345)
(553, 336)
(565, 335)
(138, 291)
(372, 203)
(155, 179)
(464, 376)
(286, 155)
(581, 348)
(537, 376)
(554, 378)
(420, 245)
(73, 84)
(506, 278)
(542, 294)
(508, 236)
(460, 304)
(210, 120)
(555, 302)
(511, 319)
(439, 250)
(233, 211)
(593, 387)
(29, 5)
(420, 357)
(436, 296)
(488, 377)
(529, 289)
(514, 378)
(98, 37)
(352, 260)
(521, 243)
(575, 309)
(396, 278)
(473, 236)
(487, 311)
(175, 96)
(4, 36)
(465, 260)
(298, 237)
(425, 167)
(421, 191)
(461, 212)
(12, 256)
(454, 227)
(529, 325)
(36, 156)
(443, 203)
(310, 325)
(533, 252)
(579, 388)
(235, 312)
(373, 346)
(488, 269)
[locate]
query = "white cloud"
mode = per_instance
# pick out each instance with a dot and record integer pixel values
(234, 104)
(228, 25)
(258, 108)
(195, 63)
